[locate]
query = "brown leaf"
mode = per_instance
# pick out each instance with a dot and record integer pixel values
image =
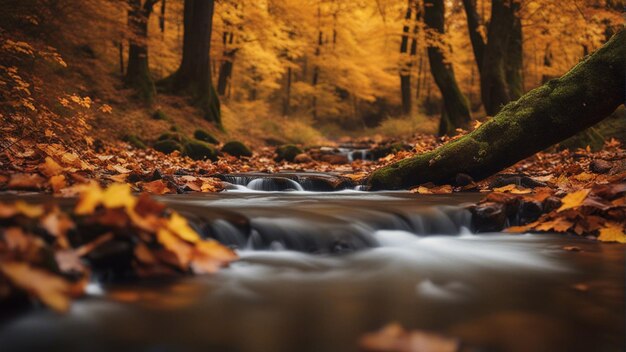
(28, 182)
(156, 187)
(393, 338)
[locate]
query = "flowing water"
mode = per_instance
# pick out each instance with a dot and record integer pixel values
(318, 270)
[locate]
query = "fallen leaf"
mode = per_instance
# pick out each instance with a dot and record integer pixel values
(48, 288)
(572, 249)
(556, 225)
(512, 188)
(156, 187)
(57, 183)
(29, 182)
(50, 167)
(574, 199)
(393, 338)
(613, 232)
(178, 225)
(90, 197)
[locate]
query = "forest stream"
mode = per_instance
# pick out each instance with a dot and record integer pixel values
(317, 270)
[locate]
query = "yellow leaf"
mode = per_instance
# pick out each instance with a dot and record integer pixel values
(118, 195)
(50, 289)
(584, 176)
(31, 211)
(50, 167)
(613, 232)
(512, 188)
(179, 226)
(90, 197)
(574, 199)
(57, 183)
(181, 249)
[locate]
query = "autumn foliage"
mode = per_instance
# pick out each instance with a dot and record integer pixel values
(50, 254)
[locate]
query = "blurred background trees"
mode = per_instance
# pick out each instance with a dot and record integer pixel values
(337, 67)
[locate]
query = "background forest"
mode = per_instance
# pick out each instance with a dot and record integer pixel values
(288, 71)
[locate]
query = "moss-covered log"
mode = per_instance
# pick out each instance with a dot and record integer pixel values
(585, 95)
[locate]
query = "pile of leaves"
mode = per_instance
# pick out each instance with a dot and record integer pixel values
(597, 212)
(50, 254)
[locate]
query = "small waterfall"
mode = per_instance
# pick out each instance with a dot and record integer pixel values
(274, 184)
(321, 224)
(287, 181)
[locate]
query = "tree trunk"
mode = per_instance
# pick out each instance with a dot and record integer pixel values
(226, 67)
(501, 68)
(456, 107)
(138, 71)
(585, 95)
(405, 71)
(193, 77)
(473, 24)
(287, 98)
(499, 60)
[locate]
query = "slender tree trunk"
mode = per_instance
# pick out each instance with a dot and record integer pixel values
(287, 98)
(473, 25)
(120, 48)
(316, 69)
(138, 71)
(499, 60)
(193, 76)
(456, 107)
(226, 67)
(405, 71)
(588, 93)
(501, 79)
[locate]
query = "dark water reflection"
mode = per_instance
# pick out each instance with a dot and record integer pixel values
(495, 292)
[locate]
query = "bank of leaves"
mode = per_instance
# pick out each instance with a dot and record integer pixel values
(50, 254)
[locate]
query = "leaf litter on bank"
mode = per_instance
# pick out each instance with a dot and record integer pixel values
(46, 253)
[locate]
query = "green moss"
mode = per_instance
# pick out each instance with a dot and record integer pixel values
(203, 135)
(178, 137)
(287, 152)
(236, 149)
(135, 141)
(198, 150)
(167, 146)
(175, 128)
(160, 115)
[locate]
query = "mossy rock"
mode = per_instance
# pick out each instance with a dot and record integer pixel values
(172, 136)
(384, 150)
(175, 128)
(203, 135)
(135, 141)
(236, 149)
(167, 146)
(198, 150)
(287, 152)
(160, 115)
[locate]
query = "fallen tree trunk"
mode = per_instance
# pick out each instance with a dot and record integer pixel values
(585, 95)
